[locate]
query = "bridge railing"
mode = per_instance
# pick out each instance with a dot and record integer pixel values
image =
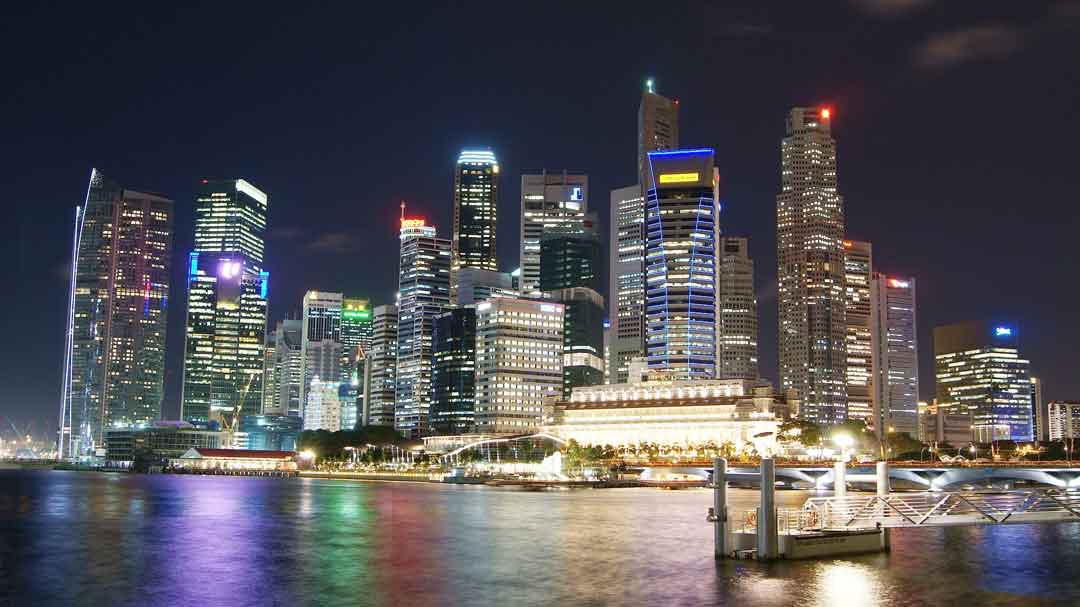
(941, 508)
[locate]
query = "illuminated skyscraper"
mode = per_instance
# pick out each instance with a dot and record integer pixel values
(288, 369)
(453, 373)
(476, 211)
(626, 289)
(810, 259)
(321, 348)
(681, 220)
(380, 369)
(860, 332)
(519, 344)
(658, 129)
(978, 367)
(738, 320)
(423, 293)
(117, 314)
(548, 199)
(355, 344)
(896, 355)
(227, 302)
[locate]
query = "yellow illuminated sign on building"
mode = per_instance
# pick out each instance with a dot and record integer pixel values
(680, 177)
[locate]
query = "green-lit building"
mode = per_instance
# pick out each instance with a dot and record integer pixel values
(355, 343)
(227, 302)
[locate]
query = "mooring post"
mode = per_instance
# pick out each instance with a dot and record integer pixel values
(720, 511)
(767, 538)
(840, 479)
(882, 491)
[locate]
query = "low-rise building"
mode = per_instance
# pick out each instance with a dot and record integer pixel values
(268, 432)
(202, 460)
(951, 423)
(671, 413)
(1063, 419)
(157, 442)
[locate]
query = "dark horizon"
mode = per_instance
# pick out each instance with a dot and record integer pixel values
(954, 133)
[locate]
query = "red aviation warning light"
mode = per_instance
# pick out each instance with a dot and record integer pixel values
(826, 113)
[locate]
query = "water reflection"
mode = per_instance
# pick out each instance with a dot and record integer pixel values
(114, 540)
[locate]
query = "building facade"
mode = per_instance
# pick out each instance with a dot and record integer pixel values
(626, 283)
(453, 372)
(548, 199)
(380, 369)
(860, 336)
(519, 348)
(423, 293)
(657, 129)
(156, 442)
(681, 229)
(355, 343)
(288, 369)
(1063, 420)
(228, 289)
(269, 432)
(583, 337)
(978, 367)
(321, 348)
(114, 362)
(475, 285)
(737, 320)
(476, 213)
(322, 407)
(810, 259)
(896, 355)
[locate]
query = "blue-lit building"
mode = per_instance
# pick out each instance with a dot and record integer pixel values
(224, 352)
(269, 432)
(681, 228)
(978, 368)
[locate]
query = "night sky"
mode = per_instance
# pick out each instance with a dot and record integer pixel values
(957, 133)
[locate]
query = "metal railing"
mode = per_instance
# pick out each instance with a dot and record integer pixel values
(940, 509)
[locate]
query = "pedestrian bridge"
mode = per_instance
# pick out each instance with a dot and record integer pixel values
(930, 478)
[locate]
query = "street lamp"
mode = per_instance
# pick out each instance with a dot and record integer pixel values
(844, 441)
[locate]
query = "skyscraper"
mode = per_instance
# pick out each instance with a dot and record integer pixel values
(453, 372)
(570, 255)
(321, 349)
(860, 339)
(978, 367)
(738, 320)
(227, 302)
(117, 314)
(423, 293)
(519, 346)
(681, 222)
(476, 211)
(810, 259)
(658, 129)
(288, 363)
(548, 198)
(380, 369)
(626, 290)
(355, 343)
(896, 355)
(476, 284)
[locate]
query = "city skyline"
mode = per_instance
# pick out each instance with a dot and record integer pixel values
(905, 253)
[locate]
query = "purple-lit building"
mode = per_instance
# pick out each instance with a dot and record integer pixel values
(227, 303)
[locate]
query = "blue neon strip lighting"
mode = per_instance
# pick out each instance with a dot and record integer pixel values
(265, 277)
(194, 269)
(697, 152)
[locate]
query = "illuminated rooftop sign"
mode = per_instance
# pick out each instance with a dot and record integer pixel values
(898, 284)
(680, 177)
(412, 223)
(1003, 331)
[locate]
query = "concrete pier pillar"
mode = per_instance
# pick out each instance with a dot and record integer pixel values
(767, 537)
(840, 479)
(882, 491)
(720, 507)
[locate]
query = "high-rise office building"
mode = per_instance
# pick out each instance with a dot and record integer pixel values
(626, 287)
(681, 224)
(519, 345)
(570, 255)
(114, 364)
(896, 355)
(476, 211)
(1063, 421)
(810, 259)
(355, 342)
(583, 337)
(322, 408)
(978, 366)
(423, 293)
(227, 302)
(453, 371)
(859, 336)
(657, 129)
(380, 369)
(737, 322)
(548, 199)
(288, 369)
(475, 285)
(321, 348)
(271, 390)
(1039, 420)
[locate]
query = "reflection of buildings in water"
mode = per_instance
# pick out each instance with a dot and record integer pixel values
(672, 413)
